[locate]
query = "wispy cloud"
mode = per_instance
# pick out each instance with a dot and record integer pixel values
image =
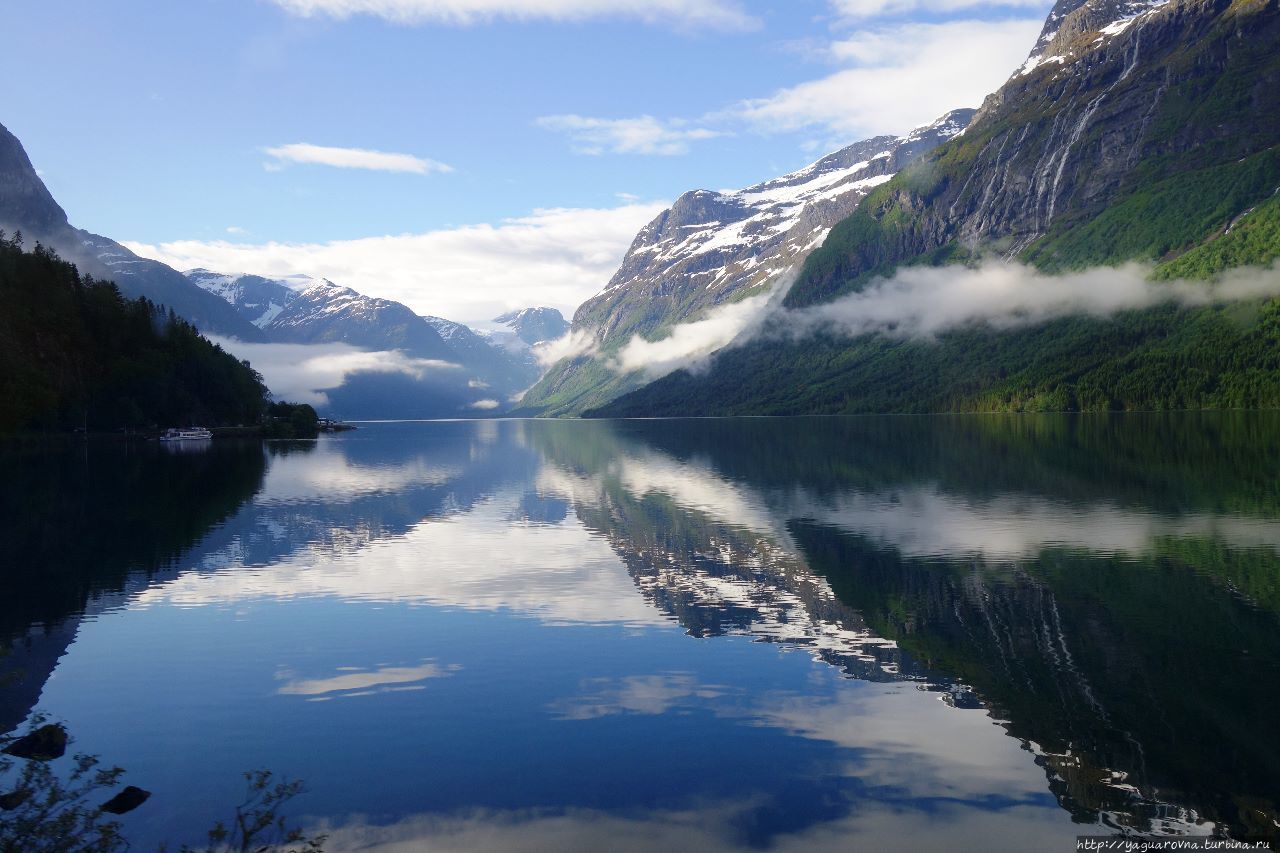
(352, 158)
(558, 257)
(689, 343)
(897, 78)
(681, 14)
(890, 78)
(572, 344)
(302, 373)
(924, 302)
(641, 135)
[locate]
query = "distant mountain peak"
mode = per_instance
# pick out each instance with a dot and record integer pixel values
(302, 309)
(535, 325)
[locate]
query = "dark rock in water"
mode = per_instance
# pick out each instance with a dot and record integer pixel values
(44, 744)
(13, 799)
(126, 801)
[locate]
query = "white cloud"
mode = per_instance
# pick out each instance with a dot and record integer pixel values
(642, 135)
(572, 344)
(352, 158)
(857, 10)
(301, 373)
(900, 77)
(926, 301)
(471, 274)
(689, 343)
(485, 405)
(236, 229)
(890, 79)
(713, 14)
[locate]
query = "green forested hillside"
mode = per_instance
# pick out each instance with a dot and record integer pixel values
(75, 353)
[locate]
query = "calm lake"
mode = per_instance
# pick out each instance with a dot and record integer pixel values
(948, 633)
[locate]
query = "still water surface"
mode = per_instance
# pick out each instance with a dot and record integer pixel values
(885, 633)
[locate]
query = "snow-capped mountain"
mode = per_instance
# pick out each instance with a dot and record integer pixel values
(300, 309)
(260, 300)
(712, 247)
(1075, 27)
(723, 242)
(305, 310)
(535, 325)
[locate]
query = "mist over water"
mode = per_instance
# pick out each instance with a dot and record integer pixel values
(303, 373)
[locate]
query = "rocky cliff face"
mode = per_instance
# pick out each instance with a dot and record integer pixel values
(26, 200)
(711, 248)
(27, 206)
(1120, 106)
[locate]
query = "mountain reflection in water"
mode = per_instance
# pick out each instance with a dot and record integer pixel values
(496, 626)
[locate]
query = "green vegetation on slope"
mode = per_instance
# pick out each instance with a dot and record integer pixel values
(75, 353)
(1164, 219)
(1254, 239)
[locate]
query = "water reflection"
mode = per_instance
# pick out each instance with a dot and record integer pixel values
(354, 681)
(491, 626)
(1107, 587)
(82, 523)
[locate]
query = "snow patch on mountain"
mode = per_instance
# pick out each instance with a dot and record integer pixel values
(1060, 41)
(722, 241)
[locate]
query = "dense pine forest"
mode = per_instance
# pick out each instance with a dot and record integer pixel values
(75, 354)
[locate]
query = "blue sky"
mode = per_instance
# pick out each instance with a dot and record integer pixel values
(536, 136)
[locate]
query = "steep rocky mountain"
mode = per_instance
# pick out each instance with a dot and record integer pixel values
(1140, 131)
(301, 309)
(712, 248)
(535, 325)
(27, 206)
(1135, 131)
